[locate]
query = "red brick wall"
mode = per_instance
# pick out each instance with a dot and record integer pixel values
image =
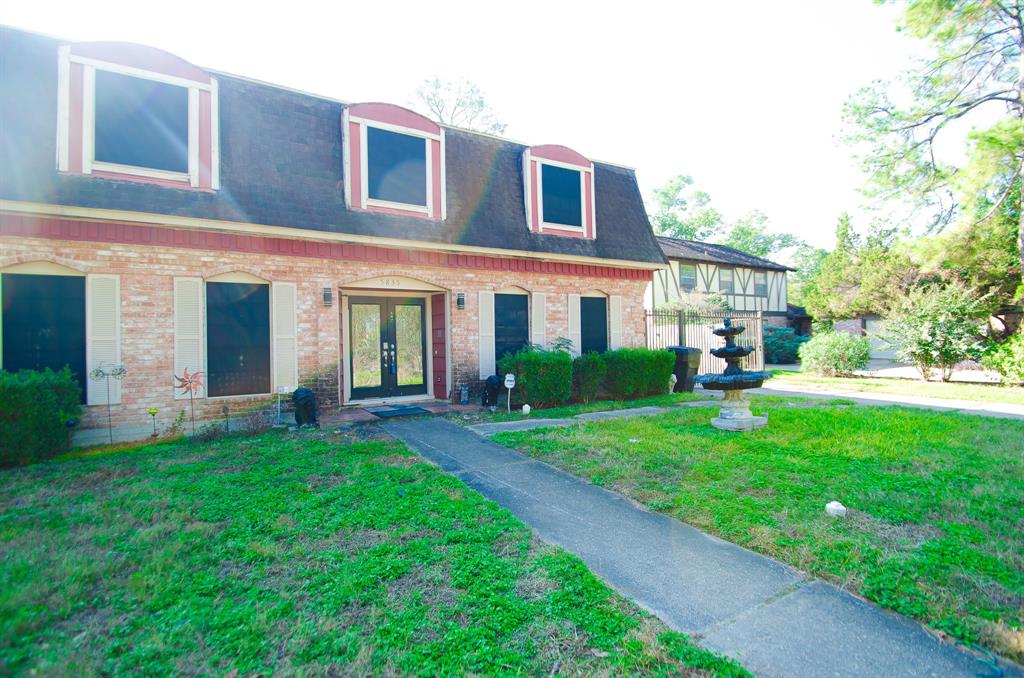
(147, 274)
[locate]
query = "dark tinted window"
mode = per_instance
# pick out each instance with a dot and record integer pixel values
(44, 323)
(396, 167)
(511, 323)
(593, 324)
(141, 122)
(237, 338)
(562, 199)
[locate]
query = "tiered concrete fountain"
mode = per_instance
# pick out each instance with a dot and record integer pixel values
(734, 415)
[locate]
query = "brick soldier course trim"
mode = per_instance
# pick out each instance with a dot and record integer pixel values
(116, 232)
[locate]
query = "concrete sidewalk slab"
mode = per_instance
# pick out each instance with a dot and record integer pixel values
(771, 617)
(619, 414)
(520, 425)
(827, 624)
(529, 424)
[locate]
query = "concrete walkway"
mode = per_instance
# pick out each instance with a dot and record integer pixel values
(773, 619)
(490, 429)
(987, 409)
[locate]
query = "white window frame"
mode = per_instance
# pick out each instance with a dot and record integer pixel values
(89, 162)
(732, 280)
(681, 285)
(764, 276)
(583, 172)
(364, 151)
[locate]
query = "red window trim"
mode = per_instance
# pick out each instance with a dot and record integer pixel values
(355, 120)
(559, 156)
(77, 64)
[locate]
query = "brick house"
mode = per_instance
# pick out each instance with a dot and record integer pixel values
(165, 217)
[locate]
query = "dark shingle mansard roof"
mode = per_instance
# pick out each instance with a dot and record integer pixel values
(694, 250)
(281, 165)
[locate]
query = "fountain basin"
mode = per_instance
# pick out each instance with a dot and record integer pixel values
(733, 382)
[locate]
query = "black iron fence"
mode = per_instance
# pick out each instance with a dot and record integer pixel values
(693, 328)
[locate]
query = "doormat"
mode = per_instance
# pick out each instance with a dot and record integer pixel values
(385, 411)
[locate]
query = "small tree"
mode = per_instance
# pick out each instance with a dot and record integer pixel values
(682, 211)
(458, 103)
(936, 327)
(750, 234)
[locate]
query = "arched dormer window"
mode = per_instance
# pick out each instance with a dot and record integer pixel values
(394, 161)
(559, 191)
(133, 112)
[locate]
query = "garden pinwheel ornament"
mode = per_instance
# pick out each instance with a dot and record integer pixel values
(190, 384)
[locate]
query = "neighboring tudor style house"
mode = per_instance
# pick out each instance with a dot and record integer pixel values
(747, 283)
(164, 217)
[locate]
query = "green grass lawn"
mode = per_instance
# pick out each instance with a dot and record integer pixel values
(664, 400)
(993, 393)
(936, 523)
(310, 555)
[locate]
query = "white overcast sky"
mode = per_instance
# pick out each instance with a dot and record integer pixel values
(745, 96)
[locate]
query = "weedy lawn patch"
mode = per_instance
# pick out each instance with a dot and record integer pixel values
(936, 528)
(280, 553)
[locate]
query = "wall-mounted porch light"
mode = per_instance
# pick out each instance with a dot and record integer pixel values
(328, 299)
(460, 301)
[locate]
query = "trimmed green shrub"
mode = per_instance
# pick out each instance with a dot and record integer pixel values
(543, 378)
(636, 372)
(1006, 358)
(835, 354)
(35, 408)
(588, 372)
(782, 345)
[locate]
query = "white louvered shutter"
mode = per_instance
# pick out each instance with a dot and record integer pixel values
(485, 313)
(574, 323)
(286, 369)
(614, 322)
(538, 319)
(103, 335)
(189, 319)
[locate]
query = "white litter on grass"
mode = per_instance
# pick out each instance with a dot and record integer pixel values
(526, 409)
(835, 509)
(634, 440)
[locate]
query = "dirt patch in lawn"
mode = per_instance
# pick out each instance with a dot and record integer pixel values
(894, 536)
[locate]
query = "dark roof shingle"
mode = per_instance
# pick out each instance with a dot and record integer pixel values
(281, 165)
(694, 250)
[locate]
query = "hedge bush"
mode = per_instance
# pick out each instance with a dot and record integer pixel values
(782, 345)
(1006, 358)
(35, 408)
(835, 354)
(543, 378)
(588, 373)
(636, 372)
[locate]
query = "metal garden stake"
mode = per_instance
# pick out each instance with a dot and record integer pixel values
(117, 372)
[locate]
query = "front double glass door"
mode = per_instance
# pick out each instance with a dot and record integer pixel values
(388, 337)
